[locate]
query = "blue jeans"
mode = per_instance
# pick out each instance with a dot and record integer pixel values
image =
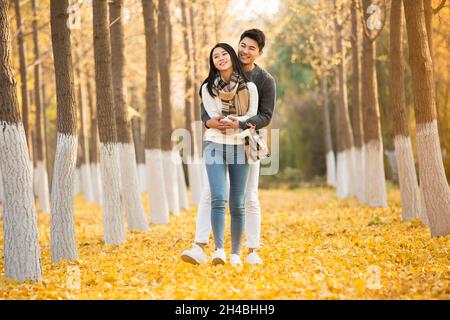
(219, 157)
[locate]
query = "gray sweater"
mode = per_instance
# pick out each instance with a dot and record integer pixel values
(266, 103)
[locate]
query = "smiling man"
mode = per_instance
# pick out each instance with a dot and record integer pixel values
(251, 45)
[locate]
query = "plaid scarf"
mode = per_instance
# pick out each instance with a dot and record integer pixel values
(234, 95)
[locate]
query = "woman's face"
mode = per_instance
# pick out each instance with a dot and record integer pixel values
(221, 59)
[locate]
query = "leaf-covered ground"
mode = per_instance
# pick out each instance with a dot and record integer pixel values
(314, 246)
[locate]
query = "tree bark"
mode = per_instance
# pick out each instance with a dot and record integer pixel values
(23, 76)
(330, 158)
(164, 75)
(62, 228)
(375, 184)
(188, 89)
(170, 170)
(128, 170)
(159, 210)
(409, 188)
(344, 135)
(21, 244)
(153, 107)
(193, 29)
(358, 131)
(434, 186)
(41, 169)
(113, 232)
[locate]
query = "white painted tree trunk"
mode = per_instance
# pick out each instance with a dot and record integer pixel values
(113, 226)
(86, 182)
(409, 187)
(97, 182)
(77, 181)
(344, 175)
(131, 194)
(159, 210)
(143, 177)
(194, 180)
(62, 226)
(2, 194)
(434, 184)
(352, 168)
(375, 182)
(331, 169)
(42, 187)
(182, 190)
(171, 182)
(359, 174)
(21, 243)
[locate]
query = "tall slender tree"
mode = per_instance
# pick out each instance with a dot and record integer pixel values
(41, 175)
(409, 188)
(159, 209)
(198, 125)
(62, 228)
(21, 244)
(113, 227)
(357, 124)
(169, 165)
(434, 185)
(344, 135)
(136, 125)
(23, 76)
(128, 170)
(194, 175)
(94, 139)
(374, 178)
(83, 152)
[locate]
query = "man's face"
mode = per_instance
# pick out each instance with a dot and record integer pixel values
(248, 51)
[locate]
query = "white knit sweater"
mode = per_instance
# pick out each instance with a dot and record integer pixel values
(213, 106)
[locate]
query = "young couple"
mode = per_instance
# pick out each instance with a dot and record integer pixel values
(237, 95)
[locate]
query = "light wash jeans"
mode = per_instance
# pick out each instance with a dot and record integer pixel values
(219, 158)
(252, 209)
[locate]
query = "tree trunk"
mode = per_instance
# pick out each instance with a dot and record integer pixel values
(41, 169)
(128, 170)
(113, 227)
(94, 154)
(375, 184)
(23, 77)
(409, 188)
(434, 186)
(153, 156)
(136, 126)
(357, 124)
(62, 229)
(194, 176)
(21, 244)
(330, 158)
(345, 152)
(169, 166)
(85, 170)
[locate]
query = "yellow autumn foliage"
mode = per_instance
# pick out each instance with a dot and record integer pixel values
(314, 246)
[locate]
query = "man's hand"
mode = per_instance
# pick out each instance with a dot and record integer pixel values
(216, 124)
(234, 123)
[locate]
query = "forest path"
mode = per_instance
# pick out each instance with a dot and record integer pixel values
(313, 246)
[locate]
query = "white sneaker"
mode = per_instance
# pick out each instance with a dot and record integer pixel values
(219, 257)
(195, 255)
(235, 260)
(253, 258)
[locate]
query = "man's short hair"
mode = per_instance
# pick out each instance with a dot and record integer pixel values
(256, 35)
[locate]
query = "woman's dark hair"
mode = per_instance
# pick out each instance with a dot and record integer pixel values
(213, 72)
(256, 35)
